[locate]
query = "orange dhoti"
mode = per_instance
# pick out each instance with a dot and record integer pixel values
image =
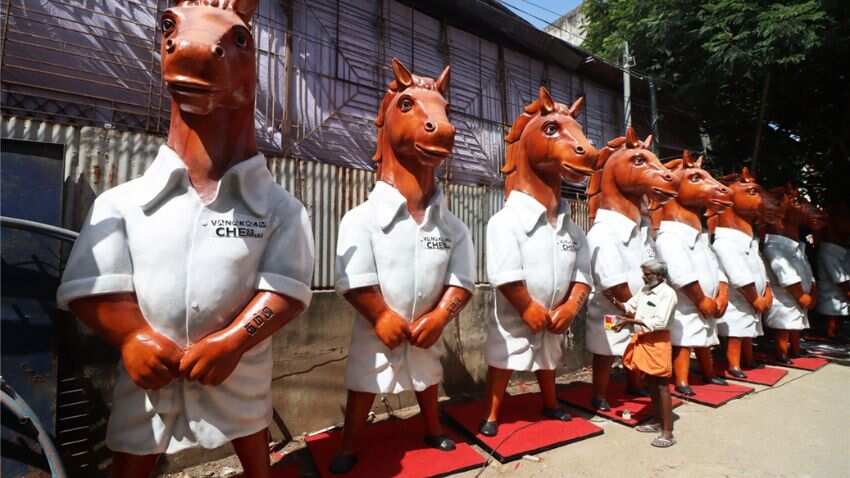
(651, 353)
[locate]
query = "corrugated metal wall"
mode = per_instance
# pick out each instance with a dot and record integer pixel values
(97, 159)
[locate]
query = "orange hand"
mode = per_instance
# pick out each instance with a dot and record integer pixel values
(562, 317)
(427, 329)
(211, 360)
(707, 307)
(151, 359)
(536, 317)
(806, 301)
(391, 329)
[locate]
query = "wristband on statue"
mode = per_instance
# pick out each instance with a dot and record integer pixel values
(258, 320)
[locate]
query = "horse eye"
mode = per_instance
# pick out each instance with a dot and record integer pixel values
(695, 178)
(241, 38)
(406, 104)
(638, 159)
(550, 129)
(167, 25)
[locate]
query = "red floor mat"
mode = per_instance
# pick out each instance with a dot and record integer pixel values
(803, 363)
(522, 429)
(289, 470)
(712, 395)
(769, 376)
(578, 394)
(394, 448)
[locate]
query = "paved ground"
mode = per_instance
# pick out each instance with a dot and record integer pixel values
(799, 428)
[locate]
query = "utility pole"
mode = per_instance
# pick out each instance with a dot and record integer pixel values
(653, 110)
(627, 85)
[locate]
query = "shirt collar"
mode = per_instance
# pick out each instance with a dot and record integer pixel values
(250, 178)
(530, 211)
(833, 248)
(782, 241)
(690, 234)
(624, 228)
(390, 201)
(733, 235)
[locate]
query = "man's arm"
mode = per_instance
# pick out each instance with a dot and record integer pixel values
(151, 359)
(212, 359)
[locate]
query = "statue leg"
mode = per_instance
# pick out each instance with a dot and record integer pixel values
(706, 365)
(497, 383)
(782, 343)
(831, 327)
(428, 407)
(681, 365)
(747, 353)
(357, 408)
(253, 453)
(733, 352)
(601, 375)
(635, 380)
(794, 335)
(126, 465)
(546, 380)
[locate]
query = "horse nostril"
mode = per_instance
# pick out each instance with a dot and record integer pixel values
(169, 46)
(430, 127)
(218, 51)
(579, 150)
(667, 177)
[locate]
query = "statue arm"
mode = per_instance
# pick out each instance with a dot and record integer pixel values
(427, 329)
(564, 314)
(804, 300)
(535, 316)
(707, 306)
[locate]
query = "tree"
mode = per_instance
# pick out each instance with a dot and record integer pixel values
(730, 61)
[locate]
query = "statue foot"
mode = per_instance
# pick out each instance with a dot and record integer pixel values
(440, 442)
(754, 365)
(718, 381)
(637, 391)
(342, 464)
(557, 413)
(600, 404)
(685, 390)
(489, 429)
(737, 373)
(783, 359)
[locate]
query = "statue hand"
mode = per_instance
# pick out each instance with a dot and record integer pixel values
(722, 299)
(212, 359)
(151, 359)
(391, 329)
(806, 301)
(427, 329)
(707, 307)
(536, 317)
(562, 317)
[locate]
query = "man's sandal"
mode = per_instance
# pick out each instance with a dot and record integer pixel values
(661, 442)
(649, 428)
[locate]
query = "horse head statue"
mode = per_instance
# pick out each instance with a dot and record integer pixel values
(626, 171)
(794, 212)
(546, 145)
(414, 132)
(751, 204)
(698, 193)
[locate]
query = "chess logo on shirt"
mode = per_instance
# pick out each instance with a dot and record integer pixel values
(237, 227)
(567, 245)
(436, 242)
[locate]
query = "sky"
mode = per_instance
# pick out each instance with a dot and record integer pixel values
(540, 12)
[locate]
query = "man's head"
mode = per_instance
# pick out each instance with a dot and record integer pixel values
(654, 272)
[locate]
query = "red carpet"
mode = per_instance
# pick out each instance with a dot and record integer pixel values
(394, 448)
(803, 363)
(710, 394)
(769, 376)
(522, 429)
(578, 394)
(289, 470)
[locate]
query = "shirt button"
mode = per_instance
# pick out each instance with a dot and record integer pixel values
(419, 294)
(195, 306)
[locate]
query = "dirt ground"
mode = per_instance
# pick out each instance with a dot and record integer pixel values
(799, 428)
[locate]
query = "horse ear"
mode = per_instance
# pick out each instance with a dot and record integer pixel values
(647, 143)
(443, 80)
(687, 159)
(676, 164)
(245, 8)
(547, 104)
(403, 77)
(632, 140)
(577, 106)
(745, 175)
(699, 161)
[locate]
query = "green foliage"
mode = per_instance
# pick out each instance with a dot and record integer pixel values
(712, 58)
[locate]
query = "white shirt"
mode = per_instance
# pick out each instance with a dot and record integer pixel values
(741, 261)
(617, 249)
(523, 246)
(193, 267)
(654, 306)
(380, 244)
(833, 269)
(788, 265)
(689, 259)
